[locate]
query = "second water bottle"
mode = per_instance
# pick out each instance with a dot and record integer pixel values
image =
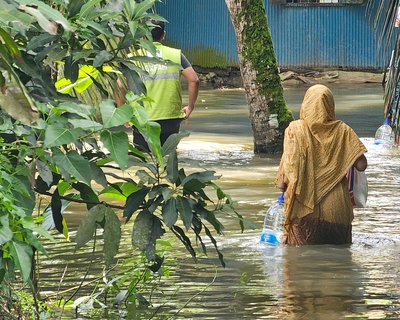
(385, 135)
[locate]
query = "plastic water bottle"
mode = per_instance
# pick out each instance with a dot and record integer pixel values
(385, 135)
(273, 222)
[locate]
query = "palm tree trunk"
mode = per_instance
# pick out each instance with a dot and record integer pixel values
(269, 115)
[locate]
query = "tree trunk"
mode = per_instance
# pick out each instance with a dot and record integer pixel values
(269, 115)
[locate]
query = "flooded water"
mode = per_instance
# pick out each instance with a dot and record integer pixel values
(360, 281)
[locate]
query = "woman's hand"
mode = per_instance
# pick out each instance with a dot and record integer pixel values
(281, 185)
(361, 163)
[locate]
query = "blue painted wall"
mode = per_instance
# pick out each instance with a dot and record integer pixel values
(305, 36)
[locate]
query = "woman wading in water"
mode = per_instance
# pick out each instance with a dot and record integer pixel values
(318, 152)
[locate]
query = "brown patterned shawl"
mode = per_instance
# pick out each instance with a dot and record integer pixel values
(318, 151)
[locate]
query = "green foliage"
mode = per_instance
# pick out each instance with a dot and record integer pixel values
(25, 306)
(130, 285)
(65, 67)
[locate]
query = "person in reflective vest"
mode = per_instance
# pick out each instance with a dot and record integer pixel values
(163, 85)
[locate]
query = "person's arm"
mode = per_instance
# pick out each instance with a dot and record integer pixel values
(193, 89)
(361, 163)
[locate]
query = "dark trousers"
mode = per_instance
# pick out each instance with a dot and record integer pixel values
(168, 127)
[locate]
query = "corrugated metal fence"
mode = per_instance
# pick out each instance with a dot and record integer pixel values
(305, 36)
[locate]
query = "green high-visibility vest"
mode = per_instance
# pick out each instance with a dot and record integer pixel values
(163, 84)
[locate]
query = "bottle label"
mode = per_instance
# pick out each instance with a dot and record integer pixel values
(271, 237)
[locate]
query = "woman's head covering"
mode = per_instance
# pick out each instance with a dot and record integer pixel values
(318, 105)
(318, 112)
(318, 151)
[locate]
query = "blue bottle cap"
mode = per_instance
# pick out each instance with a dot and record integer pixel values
(387, 121)
(281, 198)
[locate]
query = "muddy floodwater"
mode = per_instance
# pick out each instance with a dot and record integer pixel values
(361, 281)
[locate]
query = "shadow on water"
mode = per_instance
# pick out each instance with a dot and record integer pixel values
(360, 281)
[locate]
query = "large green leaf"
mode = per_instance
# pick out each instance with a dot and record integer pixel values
(149, 46)
(145, 177)
(112, 11)
(142, 7)
(47, 25)
(73, 163)
(120, 190)
(56, 136)
(5, 231)
(184, 207)
(113, 192)
(172, 142)
(214, 242)
(9, 12)
(56, 210)
(135, 82)
(101, 58)
(129, 7)
(88, 8)
(17, 183)
(29, 223)
(180, 234)
(117, 143)
(74, 6)
(10, 44)
(112, 116)
(85, 124)
(102, 29)
(134, 201)
(23, 192)
(84, 110)
(133, 26)
(40, 41)
(45, 172)
(206, 176)
(150, 131)
(57, 54)
(88, 225)
(146, 230)
(21, 253)
(87, 194)
(86, 75)
(44, 52)
(196, 182)
(153, 139)
(63, 186)
(170, 212)
(172, 168)
(111, 235)
(48, 222)
(98, 175)
(34, 241)
(210, 217)
(48, 12)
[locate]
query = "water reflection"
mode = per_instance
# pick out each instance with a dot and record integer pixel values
(332, 267)
(261, 282)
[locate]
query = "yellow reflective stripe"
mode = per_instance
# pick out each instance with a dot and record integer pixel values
(162, 76)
